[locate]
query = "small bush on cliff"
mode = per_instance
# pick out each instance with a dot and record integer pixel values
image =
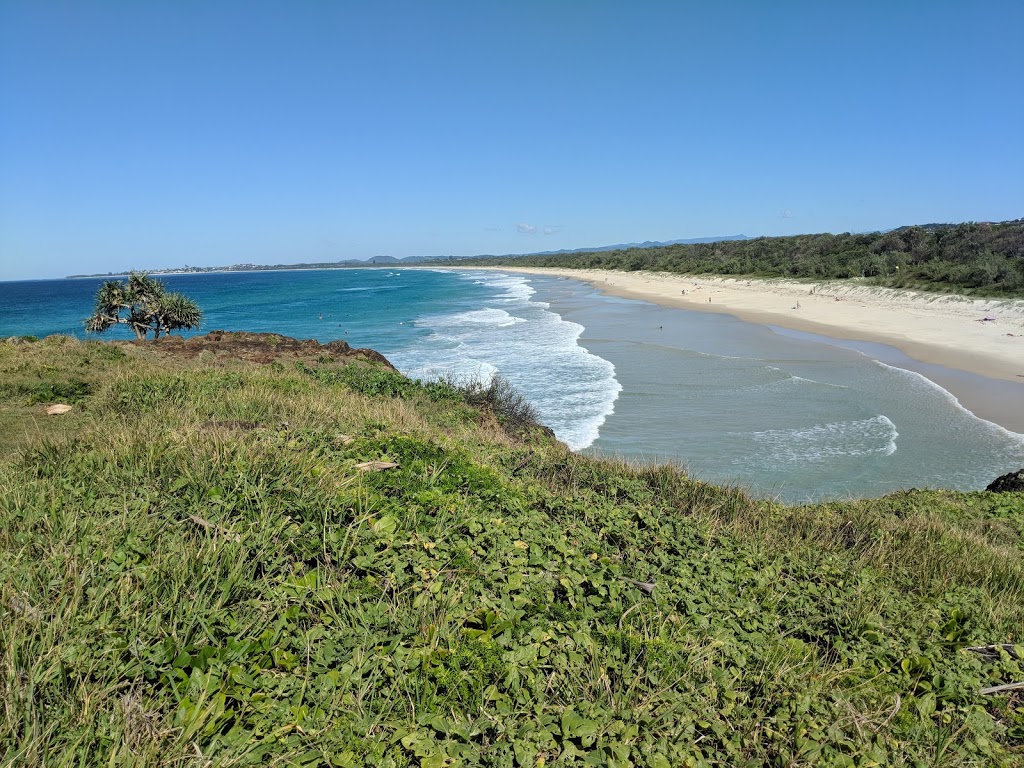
(497, 395)
(507, 403)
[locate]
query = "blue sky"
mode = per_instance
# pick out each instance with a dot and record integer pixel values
(156, 134)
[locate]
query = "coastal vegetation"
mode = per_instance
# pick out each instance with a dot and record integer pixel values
(297, 556)
(971, 258)
(144, 304)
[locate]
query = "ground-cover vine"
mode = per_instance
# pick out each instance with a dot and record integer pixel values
(201, 564)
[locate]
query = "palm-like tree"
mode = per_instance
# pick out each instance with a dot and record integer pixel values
(174, 311)
(110, 300)
(147, 306)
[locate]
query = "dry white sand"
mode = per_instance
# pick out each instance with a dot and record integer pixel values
(933, 328)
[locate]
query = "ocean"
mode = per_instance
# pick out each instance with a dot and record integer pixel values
(783, 414)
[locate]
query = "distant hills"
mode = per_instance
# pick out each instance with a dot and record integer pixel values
(391, 260)
(972, 257)
(644, 244)
(598, 249)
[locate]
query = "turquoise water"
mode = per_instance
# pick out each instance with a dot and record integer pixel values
(427, 323)
(783, 414)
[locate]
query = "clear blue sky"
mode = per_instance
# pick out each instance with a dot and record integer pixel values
(156, 134)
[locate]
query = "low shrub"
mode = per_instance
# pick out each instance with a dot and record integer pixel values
(69, 391)
(509, 405)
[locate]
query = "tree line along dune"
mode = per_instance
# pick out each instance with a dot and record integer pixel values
(295, 555)
(970, 258)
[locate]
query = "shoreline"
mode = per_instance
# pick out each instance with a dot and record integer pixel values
(980, 362)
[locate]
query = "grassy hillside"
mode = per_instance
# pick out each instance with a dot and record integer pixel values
(211, 561)
(976, 259)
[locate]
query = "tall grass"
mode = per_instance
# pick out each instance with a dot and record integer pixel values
(198, 565)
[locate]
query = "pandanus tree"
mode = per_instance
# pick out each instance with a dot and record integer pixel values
(143, 304)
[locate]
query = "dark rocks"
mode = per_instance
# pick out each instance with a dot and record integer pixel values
(1009, 483)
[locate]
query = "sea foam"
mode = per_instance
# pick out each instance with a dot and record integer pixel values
(875, 436)
(925, 382)
(537, 351)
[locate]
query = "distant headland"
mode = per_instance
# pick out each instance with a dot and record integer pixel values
(408, 260)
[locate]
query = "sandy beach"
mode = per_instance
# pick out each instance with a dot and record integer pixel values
(933, 328)
(980, 336)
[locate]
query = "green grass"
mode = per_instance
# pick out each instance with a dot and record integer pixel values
(195, 571)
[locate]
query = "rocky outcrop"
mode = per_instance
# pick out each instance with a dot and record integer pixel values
(263, 348)
(1012, 482)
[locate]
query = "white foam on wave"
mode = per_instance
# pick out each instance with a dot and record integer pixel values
(953, 401)
(476, 317)
(536, 350)
(825, 442)
(792, 380)
(461, 370)
(792, 377)
(515, 288)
